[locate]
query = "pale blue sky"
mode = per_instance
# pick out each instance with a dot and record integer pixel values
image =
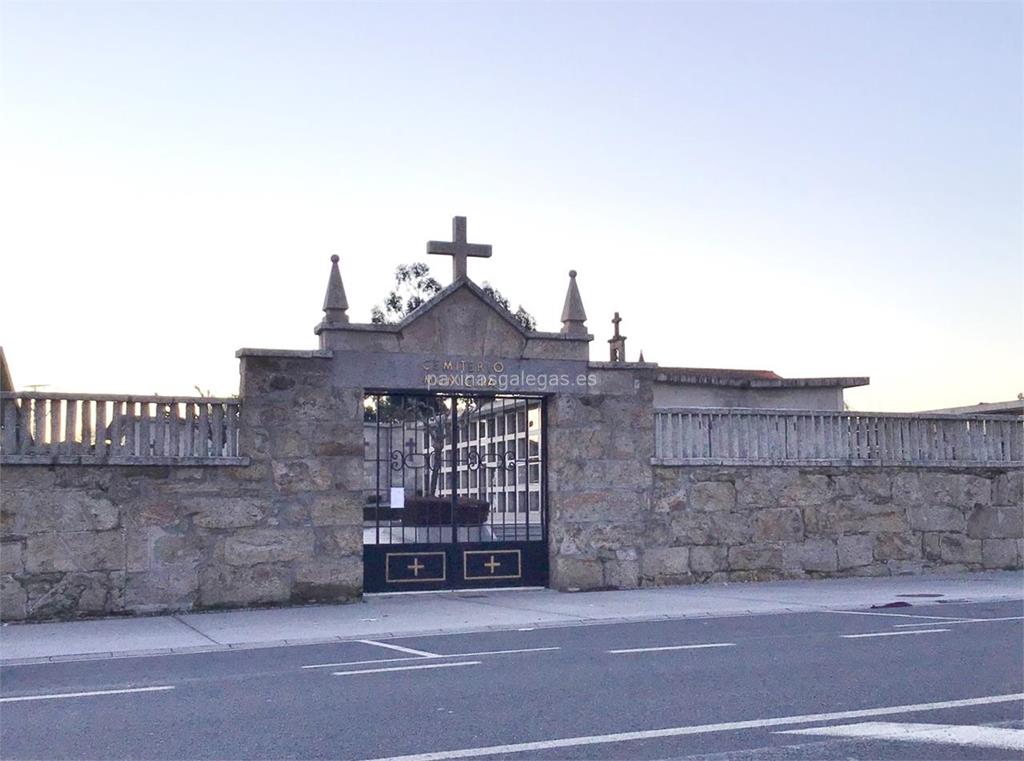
(816, 188)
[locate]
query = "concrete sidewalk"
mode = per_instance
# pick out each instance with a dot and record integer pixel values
(442, 613)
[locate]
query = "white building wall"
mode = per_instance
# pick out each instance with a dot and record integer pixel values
(827, 398)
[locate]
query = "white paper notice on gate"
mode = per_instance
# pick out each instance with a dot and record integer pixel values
(397, 497)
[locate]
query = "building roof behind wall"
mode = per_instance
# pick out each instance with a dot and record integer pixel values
(1013, 407)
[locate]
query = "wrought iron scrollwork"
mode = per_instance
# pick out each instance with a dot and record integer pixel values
(432, 460)
(397, 460)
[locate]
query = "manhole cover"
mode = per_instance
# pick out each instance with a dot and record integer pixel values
(920, 594)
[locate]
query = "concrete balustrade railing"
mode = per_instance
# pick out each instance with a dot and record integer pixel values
(728, 436)
(89, 429)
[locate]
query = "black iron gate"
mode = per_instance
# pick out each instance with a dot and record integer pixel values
(457, 492)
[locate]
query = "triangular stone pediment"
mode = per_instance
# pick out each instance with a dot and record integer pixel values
(462, 320)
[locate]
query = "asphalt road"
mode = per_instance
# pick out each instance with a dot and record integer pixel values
(793, 686)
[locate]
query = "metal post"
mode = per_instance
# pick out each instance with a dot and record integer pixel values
(376, 497)
(453, 475)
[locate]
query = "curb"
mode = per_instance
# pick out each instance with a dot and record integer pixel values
(793, 608)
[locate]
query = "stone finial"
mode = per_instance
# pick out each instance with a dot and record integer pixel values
(574, 317)
(617, 343)
(641, 358)
(335, 302)
(6, 382)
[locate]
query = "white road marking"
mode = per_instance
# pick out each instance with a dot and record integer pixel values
(964, 621)
(408, 668)
(399, 648)
(892, 634)
(672, 647)
(59, 695)
(947, 734)
(445, 655)
(897, 615)
(650, 734)
(364, 663)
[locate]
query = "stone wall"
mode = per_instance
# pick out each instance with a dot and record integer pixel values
(87, 540)
(713, 524)
(600, 446)
(287, 527)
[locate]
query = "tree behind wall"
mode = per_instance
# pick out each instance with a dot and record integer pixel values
(414, 286)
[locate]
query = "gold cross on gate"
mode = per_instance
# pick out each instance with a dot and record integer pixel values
(492, 564)
(416, 567)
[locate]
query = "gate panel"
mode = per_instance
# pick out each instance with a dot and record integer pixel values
(457, 492)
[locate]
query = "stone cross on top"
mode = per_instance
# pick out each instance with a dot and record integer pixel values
(617, 343)
(458, 248)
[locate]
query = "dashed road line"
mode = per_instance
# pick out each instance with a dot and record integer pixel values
(438, 655)
(408, 668)
(90, 694)
(363, 663)
(898, 615)
(892, 634)
(671, 647)
(965, 621)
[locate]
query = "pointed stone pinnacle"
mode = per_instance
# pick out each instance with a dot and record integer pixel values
(574, 316)
(335, 302)
(641, 359)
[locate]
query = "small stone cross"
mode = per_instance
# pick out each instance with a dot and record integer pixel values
(617, 343)
(458, 248)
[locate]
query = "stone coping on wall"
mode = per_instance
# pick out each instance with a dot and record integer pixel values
(286, 353)
(682, 376)
(623, 365)
(140, 398)
(356, 327)
(789, 412)
(972, 464)
(48, 459)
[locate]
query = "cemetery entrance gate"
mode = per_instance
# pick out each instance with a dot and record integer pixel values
(457, 492)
